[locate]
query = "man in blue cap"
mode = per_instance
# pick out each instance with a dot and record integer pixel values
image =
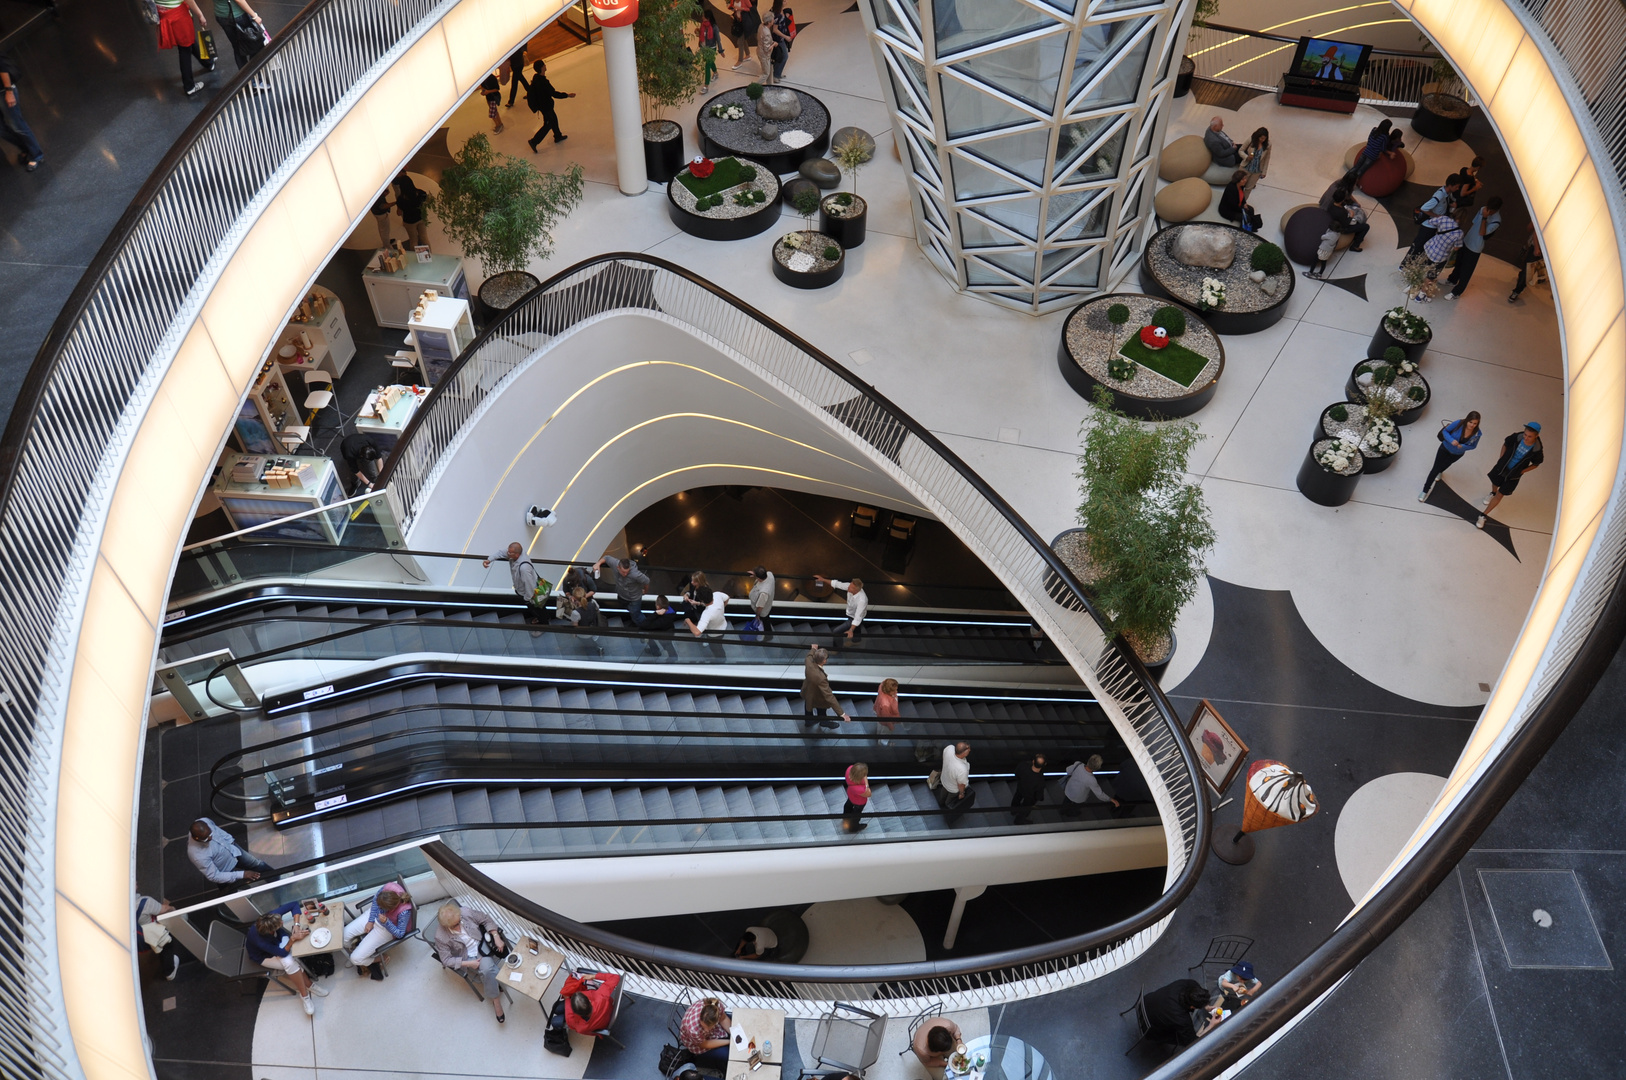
(1521, 452)
(1239, 982)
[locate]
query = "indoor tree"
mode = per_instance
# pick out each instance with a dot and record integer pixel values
(1146, 528)
(852, 154)
(499, 209)
(669, 74)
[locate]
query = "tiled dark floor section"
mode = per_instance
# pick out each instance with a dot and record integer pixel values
(209, 1034)
(174, 793)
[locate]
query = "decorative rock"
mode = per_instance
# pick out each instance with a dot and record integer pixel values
(1270, 285)
(822, 171)
(1258, 276)
(1200, 246)
(769, 131)
(865, 139)
(800, 184)
(778, 103)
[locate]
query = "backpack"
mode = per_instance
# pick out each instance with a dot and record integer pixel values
(557, 1037)
(673, 1058)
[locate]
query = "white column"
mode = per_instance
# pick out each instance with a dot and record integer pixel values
(626, 114)
(961, 895)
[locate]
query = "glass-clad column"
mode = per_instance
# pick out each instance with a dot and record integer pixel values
(1029, 128)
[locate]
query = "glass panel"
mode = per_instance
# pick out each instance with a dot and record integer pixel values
(1068, 6)
(976, 233)
(887, 19)
(1074, 137)
(1025, 299)
(934, 213)
(1022, 153)
(1019, 263)
(974, 181)
(905, 103)
(1102, 162)
(1020, 215)
(968, 111)
(1103, 7)
(1029, 71)
(907, 98)
(1062, 207)
(961, 24)
(1122, 85)
(926, 166)
(911, 8)
(1132, 199)
(978, 274)
(1085, 272)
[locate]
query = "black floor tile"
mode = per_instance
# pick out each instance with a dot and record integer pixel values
(185, 801)
(211, 1024)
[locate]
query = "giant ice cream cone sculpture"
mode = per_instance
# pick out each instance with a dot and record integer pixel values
(1275, 795)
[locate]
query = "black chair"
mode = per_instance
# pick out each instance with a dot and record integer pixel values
(1225, 950)
(226, 953)
(1142, 1021)
(412, 930)
(930, 1012)
(470, 976)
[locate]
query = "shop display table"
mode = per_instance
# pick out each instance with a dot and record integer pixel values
(387, 412)
(393, 296)
(252, 502)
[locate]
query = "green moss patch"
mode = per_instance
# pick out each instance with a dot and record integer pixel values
(729, 172)
(1173, 361)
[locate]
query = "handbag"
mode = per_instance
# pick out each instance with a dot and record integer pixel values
(205, 46)
(249, 35)
(752, 630)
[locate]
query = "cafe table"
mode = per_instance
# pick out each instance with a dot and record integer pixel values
(333, 921)
(524, 979)
(1004, 1058)
(764, 1026)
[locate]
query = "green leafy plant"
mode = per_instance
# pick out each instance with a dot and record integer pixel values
(1205, 10)
(1383, 374)
(759, 196)
(852, 154)
(1394, 354)
(1121, 368)
(1268, 258)
(843, 199)
(669, 74)
(1417, 393)
(500, 209)
(1146, 529)
(1363, 368)
(1339, 413)
(754, 91)
(831, 253)
(806, 203)
(1406, 324)
(1118, 314)
(1171, 319)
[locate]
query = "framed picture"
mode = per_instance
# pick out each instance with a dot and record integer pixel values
(1219, 751)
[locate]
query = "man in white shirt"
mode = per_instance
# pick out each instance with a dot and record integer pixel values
(954, 781)
(761, 597)
(712, 624)
(1082, 786)
(857, 608)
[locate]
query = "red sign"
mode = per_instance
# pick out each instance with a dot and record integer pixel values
(614, 12)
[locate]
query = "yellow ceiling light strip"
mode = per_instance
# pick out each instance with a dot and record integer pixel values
(1294, 44)
(723, 465)
(1330, 11)
(696, 416)
(565, 405)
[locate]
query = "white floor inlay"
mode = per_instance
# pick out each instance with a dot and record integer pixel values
(1375, 824)
(863, 931)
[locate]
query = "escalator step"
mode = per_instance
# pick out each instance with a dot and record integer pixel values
(506, 804)
(472, 806)
(437, 810)
(537, 805)
(790, 802)
(599, 804)
(741, 804)
(399, 818)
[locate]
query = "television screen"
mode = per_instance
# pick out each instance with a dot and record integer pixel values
(1332, 61)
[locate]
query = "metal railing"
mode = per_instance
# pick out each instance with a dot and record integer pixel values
(1257, 60)
(629, 284)
(78, 409)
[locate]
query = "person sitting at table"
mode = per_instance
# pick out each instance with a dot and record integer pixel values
(267, 943)
(1239, 981)
(935, 1040)
(757, 943)
(592, 1000)
(704, 1033)
(387, 919)
(457, 943)
(1169, 1012)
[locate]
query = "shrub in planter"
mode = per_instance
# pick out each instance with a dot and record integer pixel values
(1268, 258)
(1118, 314)
(1171, 319)
(500, 209)
(754, 91)
(1121, 368)
(832, 253)
(1339, 413)
(1405, 325)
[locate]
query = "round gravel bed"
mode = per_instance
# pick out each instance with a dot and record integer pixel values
(742, 138)
(1247, 309)
(729, 220)
(1089, 341)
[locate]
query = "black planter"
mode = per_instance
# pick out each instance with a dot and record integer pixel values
(1218, 319)
(815, 279)
(1382, 340)
(1406, 416)
(663, 158)
(1084, 383)
(1182, 80)
(763, 218)
(846, 231)
(1320, 485)
(732, 137)
(515, 282)
(1378, 464)
(1156, 670)
(1431, 125)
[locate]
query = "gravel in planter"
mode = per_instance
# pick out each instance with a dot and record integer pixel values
(502, 291)
(1448, 106)
(1093, 341)
(1071, 550)
(1242, 293)
(1398, 391)
(660, 131)
(764, 180)
(741, 135)
(809, 258)
(1356, 424)
(837, 210)
(1393, 329)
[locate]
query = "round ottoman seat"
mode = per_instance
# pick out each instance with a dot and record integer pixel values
(1184, 157)
(1302, 227)
(1385, 175)
(1183, 199)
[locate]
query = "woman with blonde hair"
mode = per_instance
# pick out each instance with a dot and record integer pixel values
(704, 1033)
(886, 708)
(388, 918)
(457, 943)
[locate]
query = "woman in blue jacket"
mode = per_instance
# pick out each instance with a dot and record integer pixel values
(1456, 439)
(267, 943)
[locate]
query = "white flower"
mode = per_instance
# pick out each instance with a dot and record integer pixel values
(1213, 292)
(793, 240)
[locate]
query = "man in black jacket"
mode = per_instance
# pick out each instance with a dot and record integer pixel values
(540, 96)
(1169, 1009)
(658, 628)
(516, 68)
(1521, 452)
(1029, 788)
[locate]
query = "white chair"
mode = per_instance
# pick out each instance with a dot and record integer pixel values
(319, 394)
(292, 437)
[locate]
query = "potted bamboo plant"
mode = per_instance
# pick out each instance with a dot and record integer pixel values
(501, 211)
(669, 74)
(842, 215)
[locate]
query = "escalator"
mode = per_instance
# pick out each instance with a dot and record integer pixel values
(554, 764)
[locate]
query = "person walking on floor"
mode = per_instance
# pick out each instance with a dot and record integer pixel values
(707, 39)
(1256, 158)
(409, 204)
(540, 96)
(1521, 452)
(857, 608)
(761, 598)
(245, 30)
(765, 49)
(13, 128)
(178, 22)
(886, 708)
(492, 89)
(1442, 203)
(857, 798)
(1480, 227)
(1029, 790)
(1456, 438)
(1528, 255)
(522, 572)
(816, 693)
(954, 791)
(746, 21)
(784, 32)
(516, 75)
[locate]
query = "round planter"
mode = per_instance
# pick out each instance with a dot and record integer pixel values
(1373, 464)
(1219, 319)
(719, 138)
(1382, 340)
(846, 231)
(1321, 485)
(1058, 592)
(663, 150)
(809, 279)
(1353, 391)
(1431, 119)
(1147, 407)
(499, 292)
(707, 227)
(1182, 80)
(1156, 670)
